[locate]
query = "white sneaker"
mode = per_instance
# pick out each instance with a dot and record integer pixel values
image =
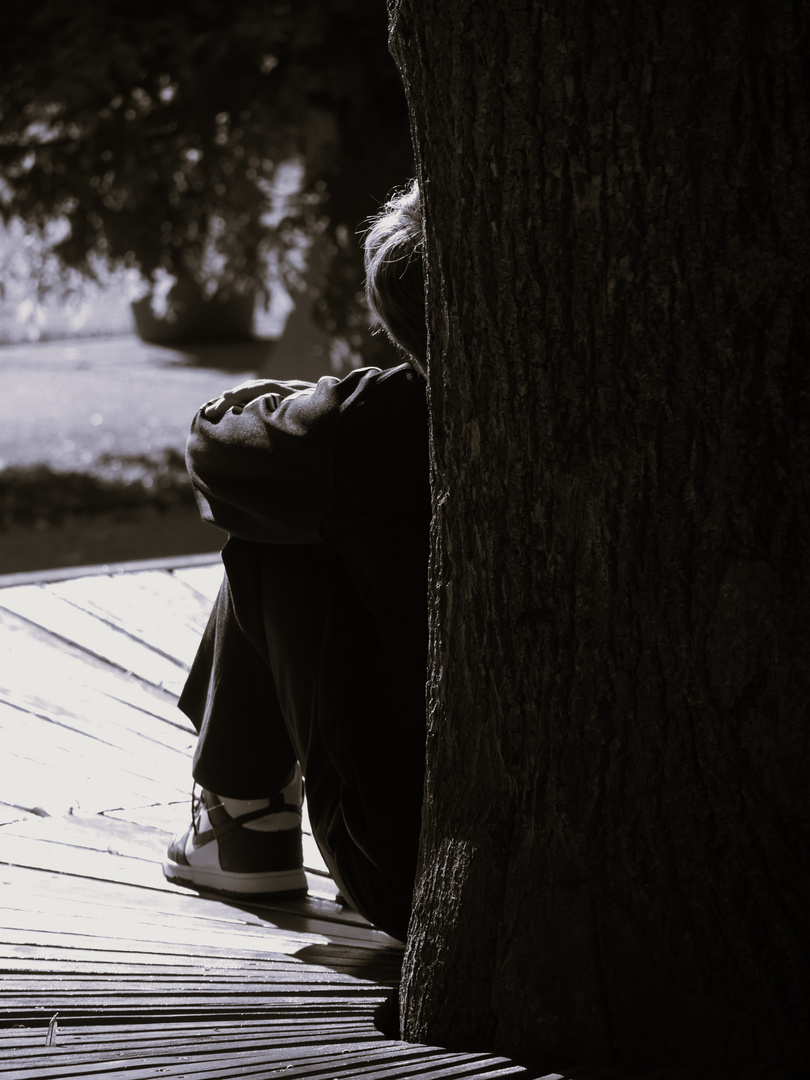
(253, 854)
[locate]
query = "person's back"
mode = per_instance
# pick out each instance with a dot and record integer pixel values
(317, 647)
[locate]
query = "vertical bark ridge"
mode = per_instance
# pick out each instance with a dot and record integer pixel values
(618, 279)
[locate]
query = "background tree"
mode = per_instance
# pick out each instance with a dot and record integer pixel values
(157, 130)
(615, 848)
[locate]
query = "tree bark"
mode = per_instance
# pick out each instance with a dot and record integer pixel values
(615, 845)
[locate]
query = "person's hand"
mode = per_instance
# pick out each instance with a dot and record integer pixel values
(240, 396)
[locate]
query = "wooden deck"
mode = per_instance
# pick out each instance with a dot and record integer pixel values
(107, 970)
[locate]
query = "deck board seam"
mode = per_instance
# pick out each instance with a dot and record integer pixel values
(68, 573)
(119, 628)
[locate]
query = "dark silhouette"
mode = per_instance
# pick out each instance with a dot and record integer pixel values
(615, 847)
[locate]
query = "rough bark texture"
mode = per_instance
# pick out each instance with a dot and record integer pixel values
(615, 853)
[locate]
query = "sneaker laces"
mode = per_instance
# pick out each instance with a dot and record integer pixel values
(200, 806)
(196, 803)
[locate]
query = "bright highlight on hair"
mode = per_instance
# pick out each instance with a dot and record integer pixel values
(395, 282)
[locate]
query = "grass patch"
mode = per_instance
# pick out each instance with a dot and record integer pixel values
(42, 496)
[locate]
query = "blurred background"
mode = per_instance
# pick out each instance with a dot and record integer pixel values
(183, 188)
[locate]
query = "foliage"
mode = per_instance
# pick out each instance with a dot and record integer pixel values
(44, 496)
(159, 132)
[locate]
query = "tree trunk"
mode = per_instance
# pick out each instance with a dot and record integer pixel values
(615, 847)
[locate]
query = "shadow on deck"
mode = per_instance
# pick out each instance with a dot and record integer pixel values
(108, 970)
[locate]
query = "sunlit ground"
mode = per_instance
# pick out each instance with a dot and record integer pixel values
(116, 411)
(94, 421)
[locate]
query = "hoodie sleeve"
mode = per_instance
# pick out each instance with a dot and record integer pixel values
(265, 471)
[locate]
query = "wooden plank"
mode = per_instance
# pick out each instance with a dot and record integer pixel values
(334, 924)
(385, 1061)
(110, 835)
(191, 1063)
(149, 979)
(54, 787)
(206, 580)
(34, 953)
(35, 604)
(45, 790)
(135, 929)
(287, 934)
(306, 1043)
(156, 607)
(154, 992)
(258, 1067)
(62, 859)
(160, 995)
(233, 947)
(289, 971)
(78, 683)
(161, 1000)
(136, 566)
(96, 832)
(139, 774)
(323, 1048)
(319, 920)
(121, 594)
(152, 1030)
(435, 1064)
(146, 966)
(145, 963)
(317, 1044)
(84, 937)
(66, 958)
(273, 1027)
(10, 813)
(99, 777)
(84, 709)
(73, 1041)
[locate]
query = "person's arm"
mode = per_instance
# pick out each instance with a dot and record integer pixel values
(263, 465)
(245, 392)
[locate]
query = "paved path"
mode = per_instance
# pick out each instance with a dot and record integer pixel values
(117, 409)
(70, 403)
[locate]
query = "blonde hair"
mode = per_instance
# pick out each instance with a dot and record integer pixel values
(395, 282)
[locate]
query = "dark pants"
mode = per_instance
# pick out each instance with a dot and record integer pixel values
(261, 694)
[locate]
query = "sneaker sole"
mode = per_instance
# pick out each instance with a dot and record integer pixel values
(237, 885)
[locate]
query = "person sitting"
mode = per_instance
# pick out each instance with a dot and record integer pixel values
(313, 661)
